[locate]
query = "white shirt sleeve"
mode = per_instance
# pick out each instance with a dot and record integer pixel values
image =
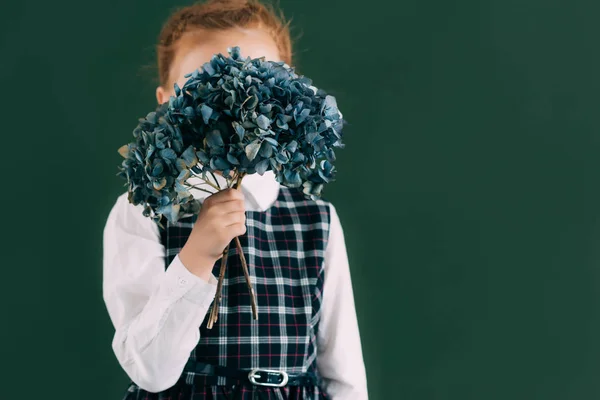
(339, 353)
(156, 313)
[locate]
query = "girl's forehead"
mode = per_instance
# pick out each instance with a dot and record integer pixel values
(197, 48)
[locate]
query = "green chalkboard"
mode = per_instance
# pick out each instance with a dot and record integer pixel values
(469, 190)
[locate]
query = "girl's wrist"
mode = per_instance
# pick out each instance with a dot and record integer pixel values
(198, 264)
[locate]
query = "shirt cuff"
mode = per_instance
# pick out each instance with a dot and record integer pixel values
(180, 282)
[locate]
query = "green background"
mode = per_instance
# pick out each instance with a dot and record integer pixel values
(469, 190)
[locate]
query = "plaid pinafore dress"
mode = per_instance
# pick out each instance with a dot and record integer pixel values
(285, 248)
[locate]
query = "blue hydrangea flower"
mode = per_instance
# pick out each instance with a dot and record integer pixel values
(242, 115)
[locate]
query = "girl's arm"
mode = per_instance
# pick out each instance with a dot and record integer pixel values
(156, 313)
(339, 356)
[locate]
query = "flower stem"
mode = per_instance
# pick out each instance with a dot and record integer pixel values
(240, 251)
(198, 188)
(215, 178)
(206, 181)
(215, 309)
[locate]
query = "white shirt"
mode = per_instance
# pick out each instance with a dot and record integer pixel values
(156, 312)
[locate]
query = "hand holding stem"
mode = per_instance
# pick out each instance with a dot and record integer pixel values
(221, 219)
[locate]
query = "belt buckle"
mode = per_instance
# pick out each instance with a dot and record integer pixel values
(268, 377)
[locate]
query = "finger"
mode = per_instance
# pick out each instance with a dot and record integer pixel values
(233, 219)
(226, 195)
(233, 206)
(238, 230)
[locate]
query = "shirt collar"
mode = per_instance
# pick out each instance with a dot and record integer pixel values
(260, 191)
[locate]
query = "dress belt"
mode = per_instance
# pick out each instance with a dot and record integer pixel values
(257, 376)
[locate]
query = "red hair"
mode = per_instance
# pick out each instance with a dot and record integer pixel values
(215, 15)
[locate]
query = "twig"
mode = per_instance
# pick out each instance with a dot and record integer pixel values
(206, 181)
(247, 275)
(215, 178)
(198, 188)
(215, 308)
(234, 180)
(240, 250)
(238, 180)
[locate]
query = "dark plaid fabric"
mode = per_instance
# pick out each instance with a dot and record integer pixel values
(285, 248)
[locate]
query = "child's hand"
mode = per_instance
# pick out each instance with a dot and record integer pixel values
(222, 217)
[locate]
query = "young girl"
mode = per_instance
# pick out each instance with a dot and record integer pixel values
(159, 282)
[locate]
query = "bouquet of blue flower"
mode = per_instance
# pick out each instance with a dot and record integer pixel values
(235, 117)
